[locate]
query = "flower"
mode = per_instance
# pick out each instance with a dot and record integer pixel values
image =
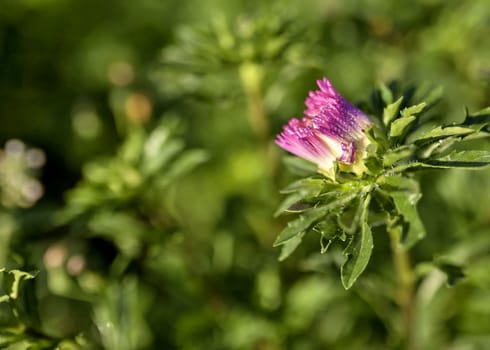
(331, 130)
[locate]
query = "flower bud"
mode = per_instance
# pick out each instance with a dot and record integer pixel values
(331, 130)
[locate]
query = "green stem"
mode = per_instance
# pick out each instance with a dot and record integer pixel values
(251, 75)
(405, 287)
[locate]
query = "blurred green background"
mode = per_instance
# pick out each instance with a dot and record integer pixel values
(139, 176)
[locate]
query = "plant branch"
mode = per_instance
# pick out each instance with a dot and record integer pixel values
(405, 287)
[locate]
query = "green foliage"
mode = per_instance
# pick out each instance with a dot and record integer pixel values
(402, 153)
(151, 221)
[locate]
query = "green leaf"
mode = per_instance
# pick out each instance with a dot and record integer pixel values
(158, 153)
(300, 190)
(288, 205)
(182, 165)
(393, 156)
(309, 217)
(413, 110)
(309, 186)
(385, 93)
(405, 203)
(442, 132)
(398, 183)
(290, 246)
(462, 159)
(390, 111)
(301, 224)
(13, 280)
(400, 125)
(358, 252)
(329, 231)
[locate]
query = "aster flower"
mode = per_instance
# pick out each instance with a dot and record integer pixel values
(331, 130)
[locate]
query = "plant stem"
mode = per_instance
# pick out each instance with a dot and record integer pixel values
(405, 287)
(251, 75)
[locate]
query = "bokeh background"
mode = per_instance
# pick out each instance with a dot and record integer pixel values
(139, 176)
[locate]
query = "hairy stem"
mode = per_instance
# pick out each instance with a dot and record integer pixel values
(405, 287)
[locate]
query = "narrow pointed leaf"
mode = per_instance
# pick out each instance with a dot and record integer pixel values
(359, 250)
(462, 159)
(290, 204)
(385, 93)
(413, 110)
(400, 125)
(390, 111)
(442, 132)
(290, 246)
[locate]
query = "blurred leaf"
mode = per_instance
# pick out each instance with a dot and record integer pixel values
(182, 165)
(358, 252)
(119, 316)
(386, 94)
(13, 280)
(454, 273)
(299, 166)
(290, 246)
